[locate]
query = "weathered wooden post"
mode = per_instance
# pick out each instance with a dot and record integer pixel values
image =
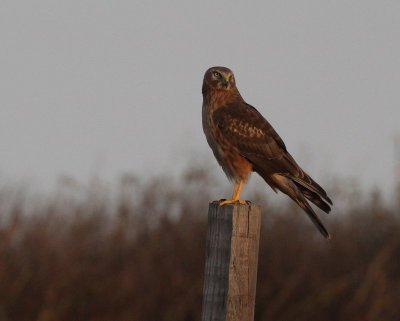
(231, 262)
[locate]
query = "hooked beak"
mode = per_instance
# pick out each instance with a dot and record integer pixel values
(225, 82)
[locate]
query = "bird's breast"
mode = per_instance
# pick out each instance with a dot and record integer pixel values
(235, 166)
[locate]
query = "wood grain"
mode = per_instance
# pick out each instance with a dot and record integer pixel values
(231, 262)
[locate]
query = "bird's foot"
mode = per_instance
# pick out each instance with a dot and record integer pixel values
(223, 202)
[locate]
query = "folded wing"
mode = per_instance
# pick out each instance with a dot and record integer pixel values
(257, 141)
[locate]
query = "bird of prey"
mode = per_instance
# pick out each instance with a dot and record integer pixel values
(243, 141)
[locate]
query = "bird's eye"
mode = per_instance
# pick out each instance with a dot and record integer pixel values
(216, 74)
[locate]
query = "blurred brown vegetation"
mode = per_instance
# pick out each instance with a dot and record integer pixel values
(136, 252)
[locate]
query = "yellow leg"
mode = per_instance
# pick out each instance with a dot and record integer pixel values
(237, 188)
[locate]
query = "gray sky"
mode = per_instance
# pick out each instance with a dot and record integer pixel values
(105, 87)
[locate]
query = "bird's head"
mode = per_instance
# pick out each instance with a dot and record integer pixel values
(219, 78)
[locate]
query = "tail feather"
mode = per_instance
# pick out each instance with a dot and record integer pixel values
(311, 214)
(298, 194)
(315, 198)
(308, 183)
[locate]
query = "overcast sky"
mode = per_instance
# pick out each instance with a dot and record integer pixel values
(108, 87)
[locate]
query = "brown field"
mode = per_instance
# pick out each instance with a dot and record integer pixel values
(137, 253)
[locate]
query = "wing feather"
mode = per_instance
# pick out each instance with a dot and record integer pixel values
(256, 140)
(254, 137)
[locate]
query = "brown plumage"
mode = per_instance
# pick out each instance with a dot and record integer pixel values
(243, 141)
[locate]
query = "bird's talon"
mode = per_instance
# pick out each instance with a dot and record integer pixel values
(223, 202)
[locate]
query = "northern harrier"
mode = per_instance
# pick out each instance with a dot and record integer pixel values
(243, 141)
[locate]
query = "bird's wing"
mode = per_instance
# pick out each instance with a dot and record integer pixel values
(253, 136)
(256, 140)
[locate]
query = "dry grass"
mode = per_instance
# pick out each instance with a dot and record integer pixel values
(139, 255)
